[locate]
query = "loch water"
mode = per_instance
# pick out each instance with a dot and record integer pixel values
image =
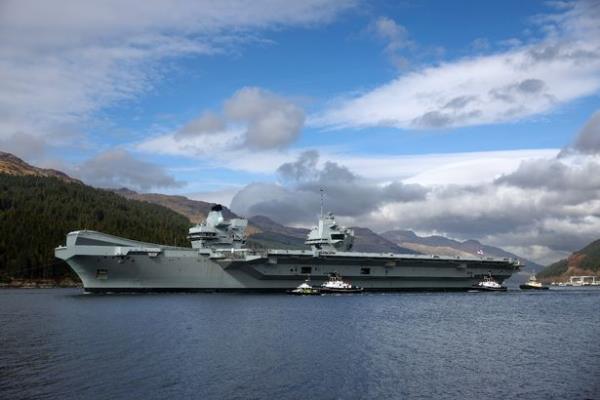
(62, 344)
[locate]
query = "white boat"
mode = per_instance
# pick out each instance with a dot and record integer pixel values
(533, 284)
(335, 284)
(488, 284)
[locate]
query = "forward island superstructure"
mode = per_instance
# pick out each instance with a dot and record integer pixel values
(219, 260)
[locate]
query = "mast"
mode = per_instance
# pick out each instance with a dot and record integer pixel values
(321, 190)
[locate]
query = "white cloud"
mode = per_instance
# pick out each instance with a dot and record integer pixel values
(505, 86)
(213, 145)
(542, 204)
(271, 120)
(467, 168)
(62, 61)
(588, 139)
(256, 126)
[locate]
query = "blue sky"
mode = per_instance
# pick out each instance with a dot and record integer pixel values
(210, 100)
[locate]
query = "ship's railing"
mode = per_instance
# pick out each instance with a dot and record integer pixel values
(239, 254)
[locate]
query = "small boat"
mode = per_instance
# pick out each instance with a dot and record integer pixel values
(488, 284)
(335, 284)
(533, 284)
(304, 290)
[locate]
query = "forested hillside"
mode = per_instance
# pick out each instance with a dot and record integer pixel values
(583, 262)
(37, 212)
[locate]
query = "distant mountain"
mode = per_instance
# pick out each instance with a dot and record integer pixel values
(13, 165)
(274, 235)
(583, 262)
(46, 204)
(368, 241)
(195, 210)
(443, 246)
(269, 234)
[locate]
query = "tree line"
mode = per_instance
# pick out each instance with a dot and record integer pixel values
(36, 213)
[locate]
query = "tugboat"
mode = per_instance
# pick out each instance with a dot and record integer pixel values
(488, 284)
(533, 284)
(335, 284)
(304, 290)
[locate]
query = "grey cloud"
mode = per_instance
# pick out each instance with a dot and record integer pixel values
(531, 86)
(522, 217)
(207, 123)
(545, 208)
(464, 109)
(277, 202)
(117, 168)
(305, 167)
(588, 139)
(554, 175)
(438, 119)
(433, 119)
(562, 51)
(545, 53)
(271, 121)
(460, 102)
(398, 191)
(511, 93)
(297, 199)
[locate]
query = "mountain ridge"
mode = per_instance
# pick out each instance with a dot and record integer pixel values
(13, 165)
(264, 232)
(444, 246)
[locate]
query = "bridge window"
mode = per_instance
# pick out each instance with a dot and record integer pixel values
(365, 271)
(337, 236)
(306, 270)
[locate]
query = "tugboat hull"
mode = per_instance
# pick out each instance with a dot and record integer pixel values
(354, 290)
(527, 287)
(484, 289)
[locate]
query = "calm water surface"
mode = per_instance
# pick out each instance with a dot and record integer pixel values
(61, 344)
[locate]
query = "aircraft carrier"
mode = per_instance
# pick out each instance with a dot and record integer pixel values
(219, 260)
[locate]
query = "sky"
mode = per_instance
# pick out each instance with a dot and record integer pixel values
(472, 120)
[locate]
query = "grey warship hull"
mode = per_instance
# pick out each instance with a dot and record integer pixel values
(107, 263)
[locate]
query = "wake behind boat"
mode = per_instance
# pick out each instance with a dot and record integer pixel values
(304, 289)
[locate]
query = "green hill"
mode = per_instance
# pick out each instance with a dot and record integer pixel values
(37, 212)
(583, 262)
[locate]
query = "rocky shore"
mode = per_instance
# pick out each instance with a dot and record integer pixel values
(41, 283)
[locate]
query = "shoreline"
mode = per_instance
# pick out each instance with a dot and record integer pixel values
(40, 284)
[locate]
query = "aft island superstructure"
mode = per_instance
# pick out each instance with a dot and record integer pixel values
(220, 261)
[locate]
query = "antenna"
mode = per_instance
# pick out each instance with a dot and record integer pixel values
(321, 190)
